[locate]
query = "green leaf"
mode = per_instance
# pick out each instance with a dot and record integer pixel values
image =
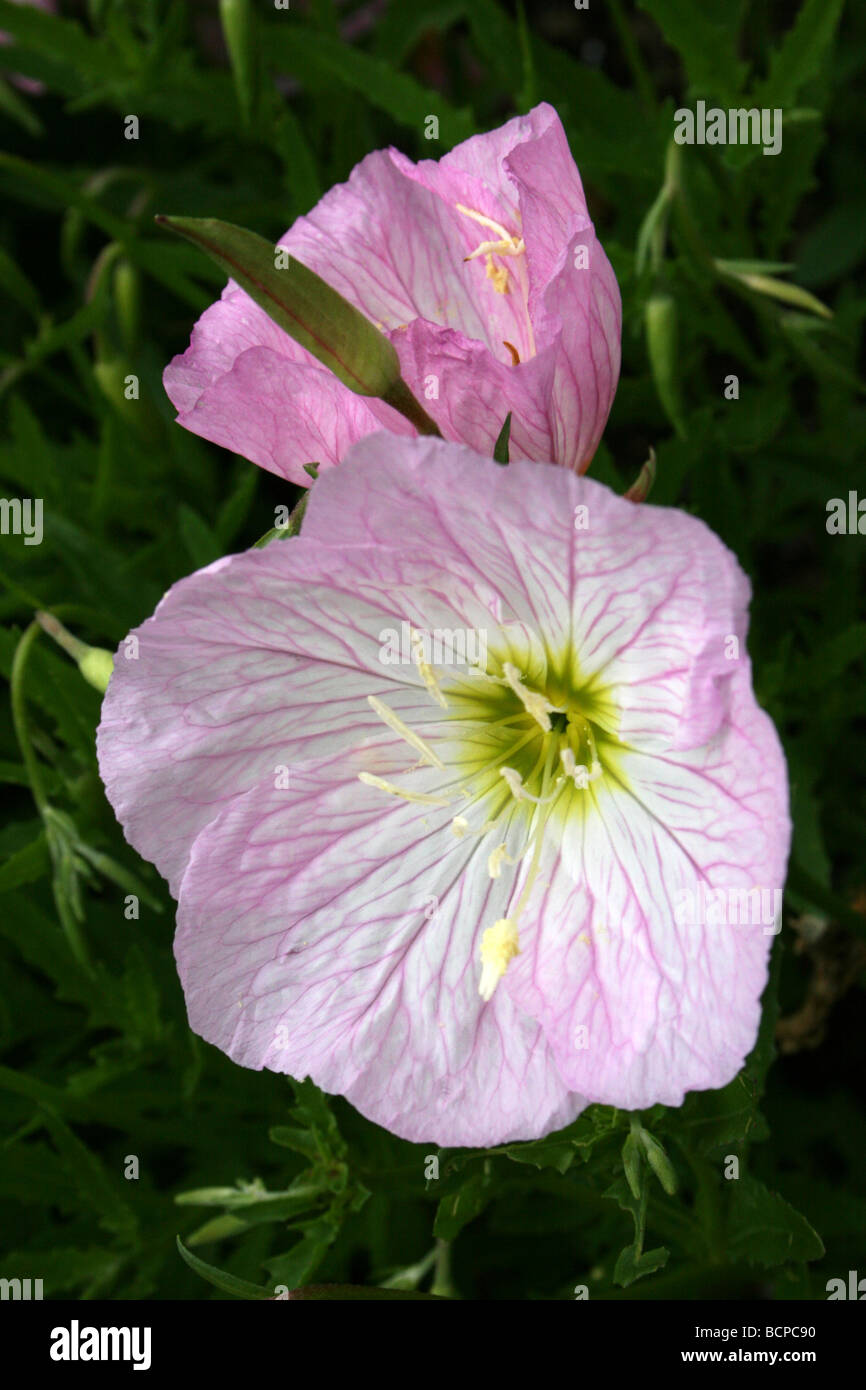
(459, 1208)
(544, 1153)
(221, 1279)
(308, 53)
(237, 24)
(764, 1229)
(64, 1267)
(298, 1264)
(660, 321)
(202, 544)
(631, 1266)
(801, 54)
(302, 1141)
(12, 105)
(706, 37)
(783, 291)
(300, 302)
(27, 865)
(353, 1293)
(633, 1262)
(17, 285)
(301, 174)
(98, 1190)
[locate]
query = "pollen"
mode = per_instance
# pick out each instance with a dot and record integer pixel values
(498, 274)
(499, 946)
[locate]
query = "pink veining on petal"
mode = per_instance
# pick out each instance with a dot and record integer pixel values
(332, 923)
(398, 241)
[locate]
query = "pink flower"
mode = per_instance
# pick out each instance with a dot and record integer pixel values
(483, 270)
(444, 786)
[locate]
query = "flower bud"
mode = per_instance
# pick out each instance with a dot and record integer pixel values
(659, 1162)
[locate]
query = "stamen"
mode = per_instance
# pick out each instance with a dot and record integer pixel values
(515, 355)
(505, 245)
(499, 946)
(537, 705)
(517, 789)
(425, 670)
(459, 827)
(499, 856)
(381, 785)
(580, 775)
(395, 723)
(488, 222)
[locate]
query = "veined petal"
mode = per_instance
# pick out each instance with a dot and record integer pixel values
(436, 254)
(642, 1000)
(277, 412)
(333, 931)
(259, 661)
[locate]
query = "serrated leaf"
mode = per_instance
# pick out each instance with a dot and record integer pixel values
(765, 1229)
(801, 53)
(98, 1190)
(630, 1266)
(298, 1264)
(64, 1267)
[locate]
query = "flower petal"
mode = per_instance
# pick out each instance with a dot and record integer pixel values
(649, 604)
(333, 931)
(252, 664)
(398, 240)
(640, 999)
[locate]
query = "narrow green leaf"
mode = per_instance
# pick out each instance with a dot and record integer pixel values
(307, 52)
(237, 24)
(297, 299)
(221, 1279)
